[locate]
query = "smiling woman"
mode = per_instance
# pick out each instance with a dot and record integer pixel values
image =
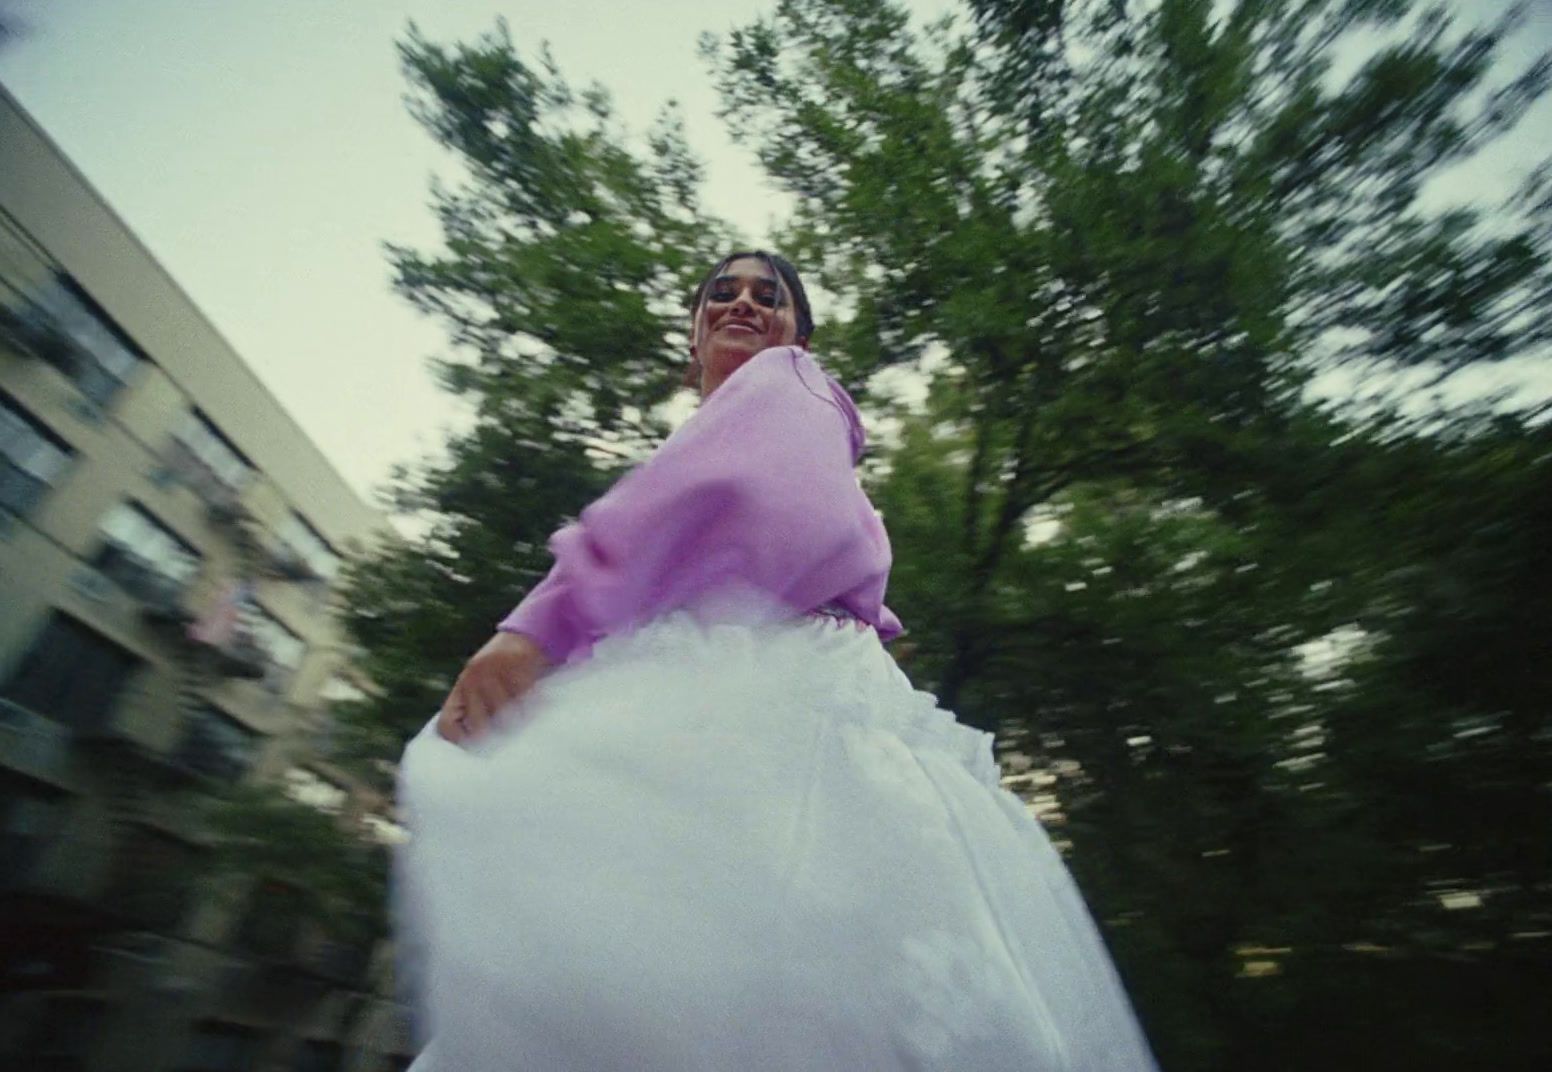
(750, 301)
(673, 817)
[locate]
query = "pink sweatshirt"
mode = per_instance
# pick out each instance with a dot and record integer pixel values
(756, 490)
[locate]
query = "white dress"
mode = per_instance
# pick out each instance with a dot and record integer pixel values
(729, 847)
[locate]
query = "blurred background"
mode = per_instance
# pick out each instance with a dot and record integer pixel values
(1204, 348)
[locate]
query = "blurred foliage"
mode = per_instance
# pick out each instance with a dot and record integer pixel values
(568, 253)
(334, 874)
(1133, 235)
(1284, 653)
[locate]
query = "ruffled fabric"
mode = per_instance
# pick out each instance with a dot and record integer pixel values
(830, 665)
(729, 846)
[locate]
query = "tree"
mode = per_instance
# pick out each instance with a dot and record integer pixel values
(336, 875)
(1138, 232)
(569, 251)
(1137, 241)
(1121, 241)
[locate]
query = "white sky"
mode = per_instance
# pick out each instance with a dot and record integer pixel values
(263, 153)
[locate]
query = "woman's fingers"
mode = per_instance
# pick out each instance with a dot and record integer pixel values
(476, 713)
(499, 673)
(449, 721)
(491, 691)
(465, 715)
(473, 705)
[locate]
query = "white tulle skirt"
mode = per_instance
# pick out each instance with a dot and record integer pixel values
(731, 847)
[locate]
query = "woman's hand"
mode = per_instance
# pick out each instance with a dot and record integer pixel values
(499, 673)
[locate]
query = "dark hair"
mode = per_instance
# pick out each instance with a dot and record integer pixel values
(776, 263)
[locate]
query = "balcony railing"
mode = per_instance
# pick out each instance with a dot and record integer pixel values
(162, 599)
(167, 609)
(33, 744)
(208, 752)
(243, 657)
(338, 961)
(223, 506)
(148, 899)
(196, 456)
(30, 332)
(271, 927)
(287, 564)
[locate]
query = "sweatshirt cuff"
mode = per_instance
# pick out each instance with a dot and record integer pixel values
(544, 617)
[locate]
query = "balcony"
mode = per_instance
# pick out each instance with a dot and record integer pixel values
(223, 507)
(243, 657)
(338, 961)
(276, 934)
(200, 457)
(166, 607)
(59, 867)
(161, 599)
(58, 1030)
(151, 881)
(287, 564)
(270, 928)
(33, 745)
(213, 747)
(30, 332)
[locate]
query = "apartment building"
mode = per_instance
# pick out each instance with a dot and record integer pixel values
(169, 545)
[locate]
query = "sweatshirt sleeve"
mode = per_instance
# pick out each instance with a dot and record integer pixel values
(756, 489)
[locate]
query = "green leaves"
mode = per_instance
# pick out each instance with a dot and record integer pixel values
(1139, 233)
(338, 876)
(569, 249)
(1281, 652)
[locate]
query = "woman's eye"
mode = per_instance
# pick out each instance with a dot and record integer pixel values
(727, 292)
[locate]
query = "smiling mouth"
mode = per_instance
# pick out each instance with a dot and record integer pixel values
(739, 325)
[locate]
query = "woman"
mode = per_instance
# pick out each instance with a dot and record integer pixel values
(684, 812)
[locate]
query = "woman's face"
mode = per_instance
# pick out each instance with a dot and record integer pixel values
(745, 309)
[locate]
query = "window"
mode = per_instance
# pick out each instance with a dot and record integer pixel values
(206, 459)
(31, 459)
(218, 1047)
(309, 547)
(143, 557)
(283, 647)
(71, 674)
(217, 745)
(98, 356)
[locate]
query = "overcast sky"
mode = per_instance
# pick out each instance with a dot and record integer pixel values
(263, 153)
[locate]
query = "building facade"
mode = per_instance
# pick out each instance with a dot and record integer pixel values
(169, 546)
